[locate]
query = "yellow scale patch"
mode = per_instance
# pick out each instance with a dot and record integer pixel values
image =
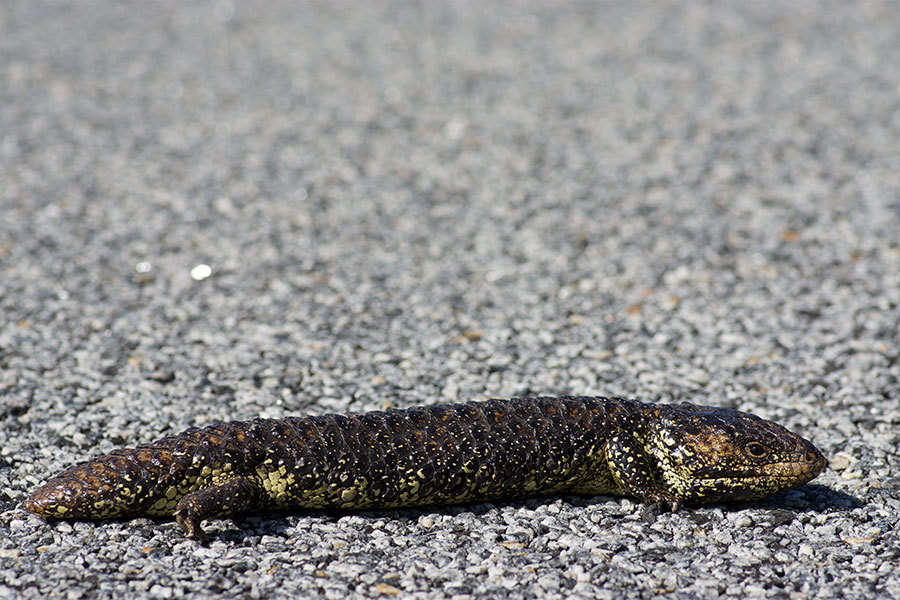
(166, 505)
(314, 498)
(275, 482)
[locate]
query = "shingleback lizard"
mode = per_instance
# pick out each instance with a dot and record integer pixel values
(449, 453)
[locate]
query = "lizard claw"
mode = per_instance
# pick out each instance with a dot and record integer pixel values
(189, 521)
(661, 503)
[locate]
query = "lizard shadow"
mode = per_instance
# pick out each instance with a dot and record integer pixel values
(783, 506)
(822, 498)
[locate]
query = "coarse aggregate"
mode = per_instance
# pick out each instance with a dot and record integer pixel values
(220, 210)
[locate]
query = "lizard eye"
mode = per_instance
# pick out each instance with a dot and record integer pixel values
(755, 450)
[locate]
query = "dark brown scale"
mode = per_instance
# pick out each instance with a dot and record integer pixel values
(436, 455)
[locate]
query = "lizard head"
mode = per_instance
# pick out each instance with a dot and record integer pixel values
(718, 454)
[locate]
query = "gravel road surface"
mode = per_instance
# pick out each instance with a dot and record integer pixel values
(221, 210)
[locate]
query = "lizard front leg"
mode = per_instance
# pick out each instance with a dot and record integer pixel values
(636, 473)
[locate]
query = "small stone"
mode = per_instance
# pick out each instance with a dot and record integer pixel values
(743, 521)
(386, 589)
(426, 522)
(840, 461)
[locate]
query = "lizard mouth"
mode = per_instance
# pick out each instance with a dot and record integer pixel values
(759, 482)
(787, 474)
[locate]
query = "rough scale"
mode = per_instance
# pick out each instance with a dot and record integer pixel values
(442, 454)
